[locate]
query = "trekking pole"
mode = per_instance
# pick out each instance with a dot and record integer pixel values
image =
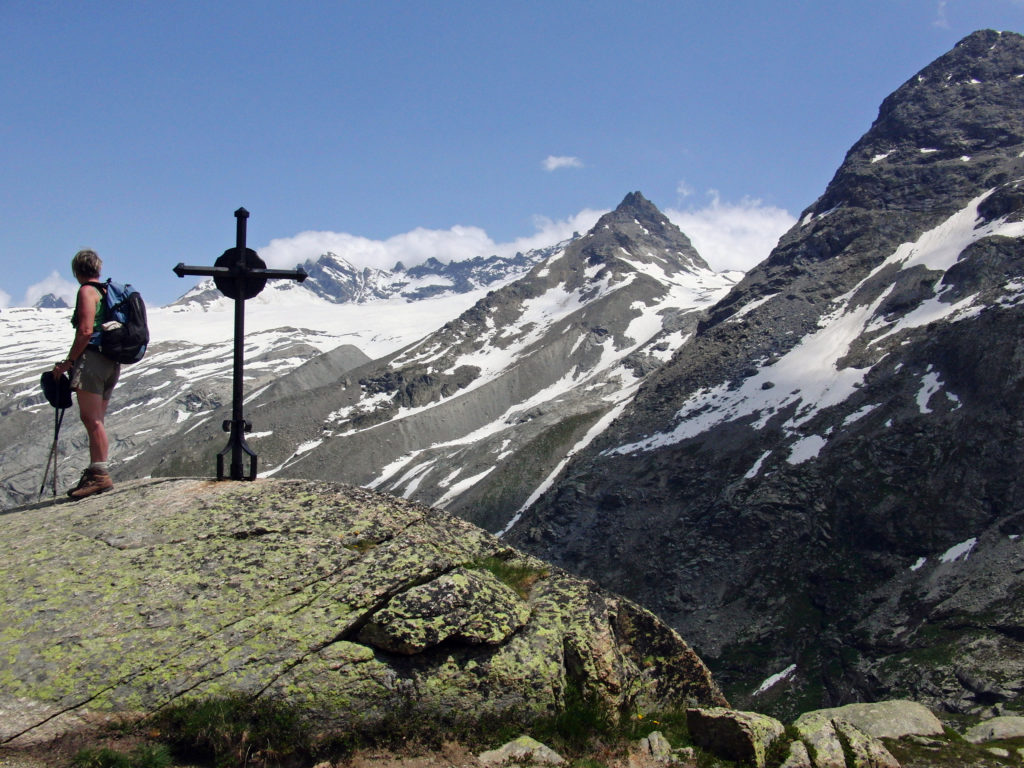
(58, 419)
(58, 392)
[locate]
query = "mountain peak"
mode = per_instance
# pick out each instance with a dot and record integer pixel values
(636, 206)
(636, 201)
(838, 430)
(637, 227)
(51, 301)
(951, 124)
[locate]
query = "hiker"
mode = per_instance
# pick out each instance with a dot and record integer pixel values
(93, 375)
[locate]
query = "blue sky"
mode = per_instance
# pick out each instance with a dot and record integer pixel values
(388, 130)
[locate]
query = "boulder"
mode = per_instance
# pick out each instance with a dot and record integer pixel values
(656, 747)
(888, 719)
(819, 734)
(734, 735)
(354, 607)
(1004, 727)
(797, 757)
(831, 741)
(654, 751)
(468, 605)
(522, 751)
(863, 750)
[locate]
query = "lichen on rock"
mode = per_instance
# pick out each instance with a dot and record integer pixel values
(472, 606)
(348, 604)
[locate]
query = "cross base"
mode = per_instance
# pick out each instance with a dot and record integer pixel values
(236, 447)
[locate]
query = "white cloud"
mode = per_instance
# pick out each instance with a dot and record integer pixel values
(550, 231)
(411, 248)
(5, 299)
(52, 283)
(941, 21)
(554, 162)
(733, 235)
(730, 236)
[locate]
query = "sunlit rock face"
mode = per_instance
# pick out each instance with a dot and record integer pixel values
(825, 481)
(345, 604)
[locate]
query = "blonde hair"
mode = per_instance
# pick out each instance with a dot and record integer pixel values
(86, 264)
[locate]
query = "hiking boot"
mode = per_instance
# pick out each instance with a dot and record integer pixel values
(93, 481)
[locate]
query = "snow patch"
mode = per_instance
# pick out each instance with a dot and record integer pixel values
(756, 469)
(805, 449)
(959, 551)
(461, 487)
(776, 678)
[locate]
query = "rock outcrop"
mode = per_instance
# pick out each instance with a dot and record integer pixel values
(993, 729)
(888, 719)
(826, 479)
(738, 736)
(823, 739)
(348, 604)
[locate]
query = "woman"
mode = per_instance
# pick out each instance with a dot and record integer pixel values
(93, 375)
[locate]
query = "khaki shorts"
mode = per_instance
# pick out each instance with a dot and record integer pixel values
(96, 373)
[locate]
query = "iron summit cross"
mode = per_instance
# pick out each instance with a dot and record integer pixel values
(240, 274)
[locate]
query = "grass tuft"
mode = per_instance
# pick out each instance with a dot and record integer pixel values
(236, 731)
(143, 756)
(516, 574)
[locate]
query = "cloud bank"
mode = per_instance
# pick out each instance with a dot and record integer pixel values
(730, 236)
(733, 236)
(411, 248)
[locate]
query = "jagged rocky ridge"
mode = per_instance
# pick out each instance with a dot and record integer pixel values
(335, 279)
(478, 416)
(351, 605)
(825, 482)
(49, 301)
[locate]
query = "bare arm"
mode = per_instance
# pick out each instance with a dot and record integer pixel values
(88, 299)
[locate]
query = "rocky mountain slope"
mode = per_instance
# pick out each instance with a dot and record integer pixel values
(337, 319)
(479, 415)
(349, 605)
(826, 480)
(182, 377)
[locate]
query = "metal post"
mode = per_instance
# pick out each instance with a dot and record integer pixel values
(237, 420)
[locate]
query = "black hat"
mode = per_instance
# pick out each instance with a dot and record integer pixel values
(57, 391)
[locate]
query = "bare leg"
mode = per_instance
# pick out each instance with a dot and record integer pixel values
(93, 409)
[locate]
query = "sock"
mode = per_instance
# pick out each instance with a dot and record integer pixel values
(99, 466)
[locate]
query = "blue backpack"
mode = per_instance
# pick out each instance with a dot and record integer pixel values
(124, 333)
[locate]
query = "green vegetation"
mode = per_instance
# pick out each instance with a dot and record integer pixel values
(142, 756)
(235, 731)
(238, 731)
(519, 575)
(953, 751)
